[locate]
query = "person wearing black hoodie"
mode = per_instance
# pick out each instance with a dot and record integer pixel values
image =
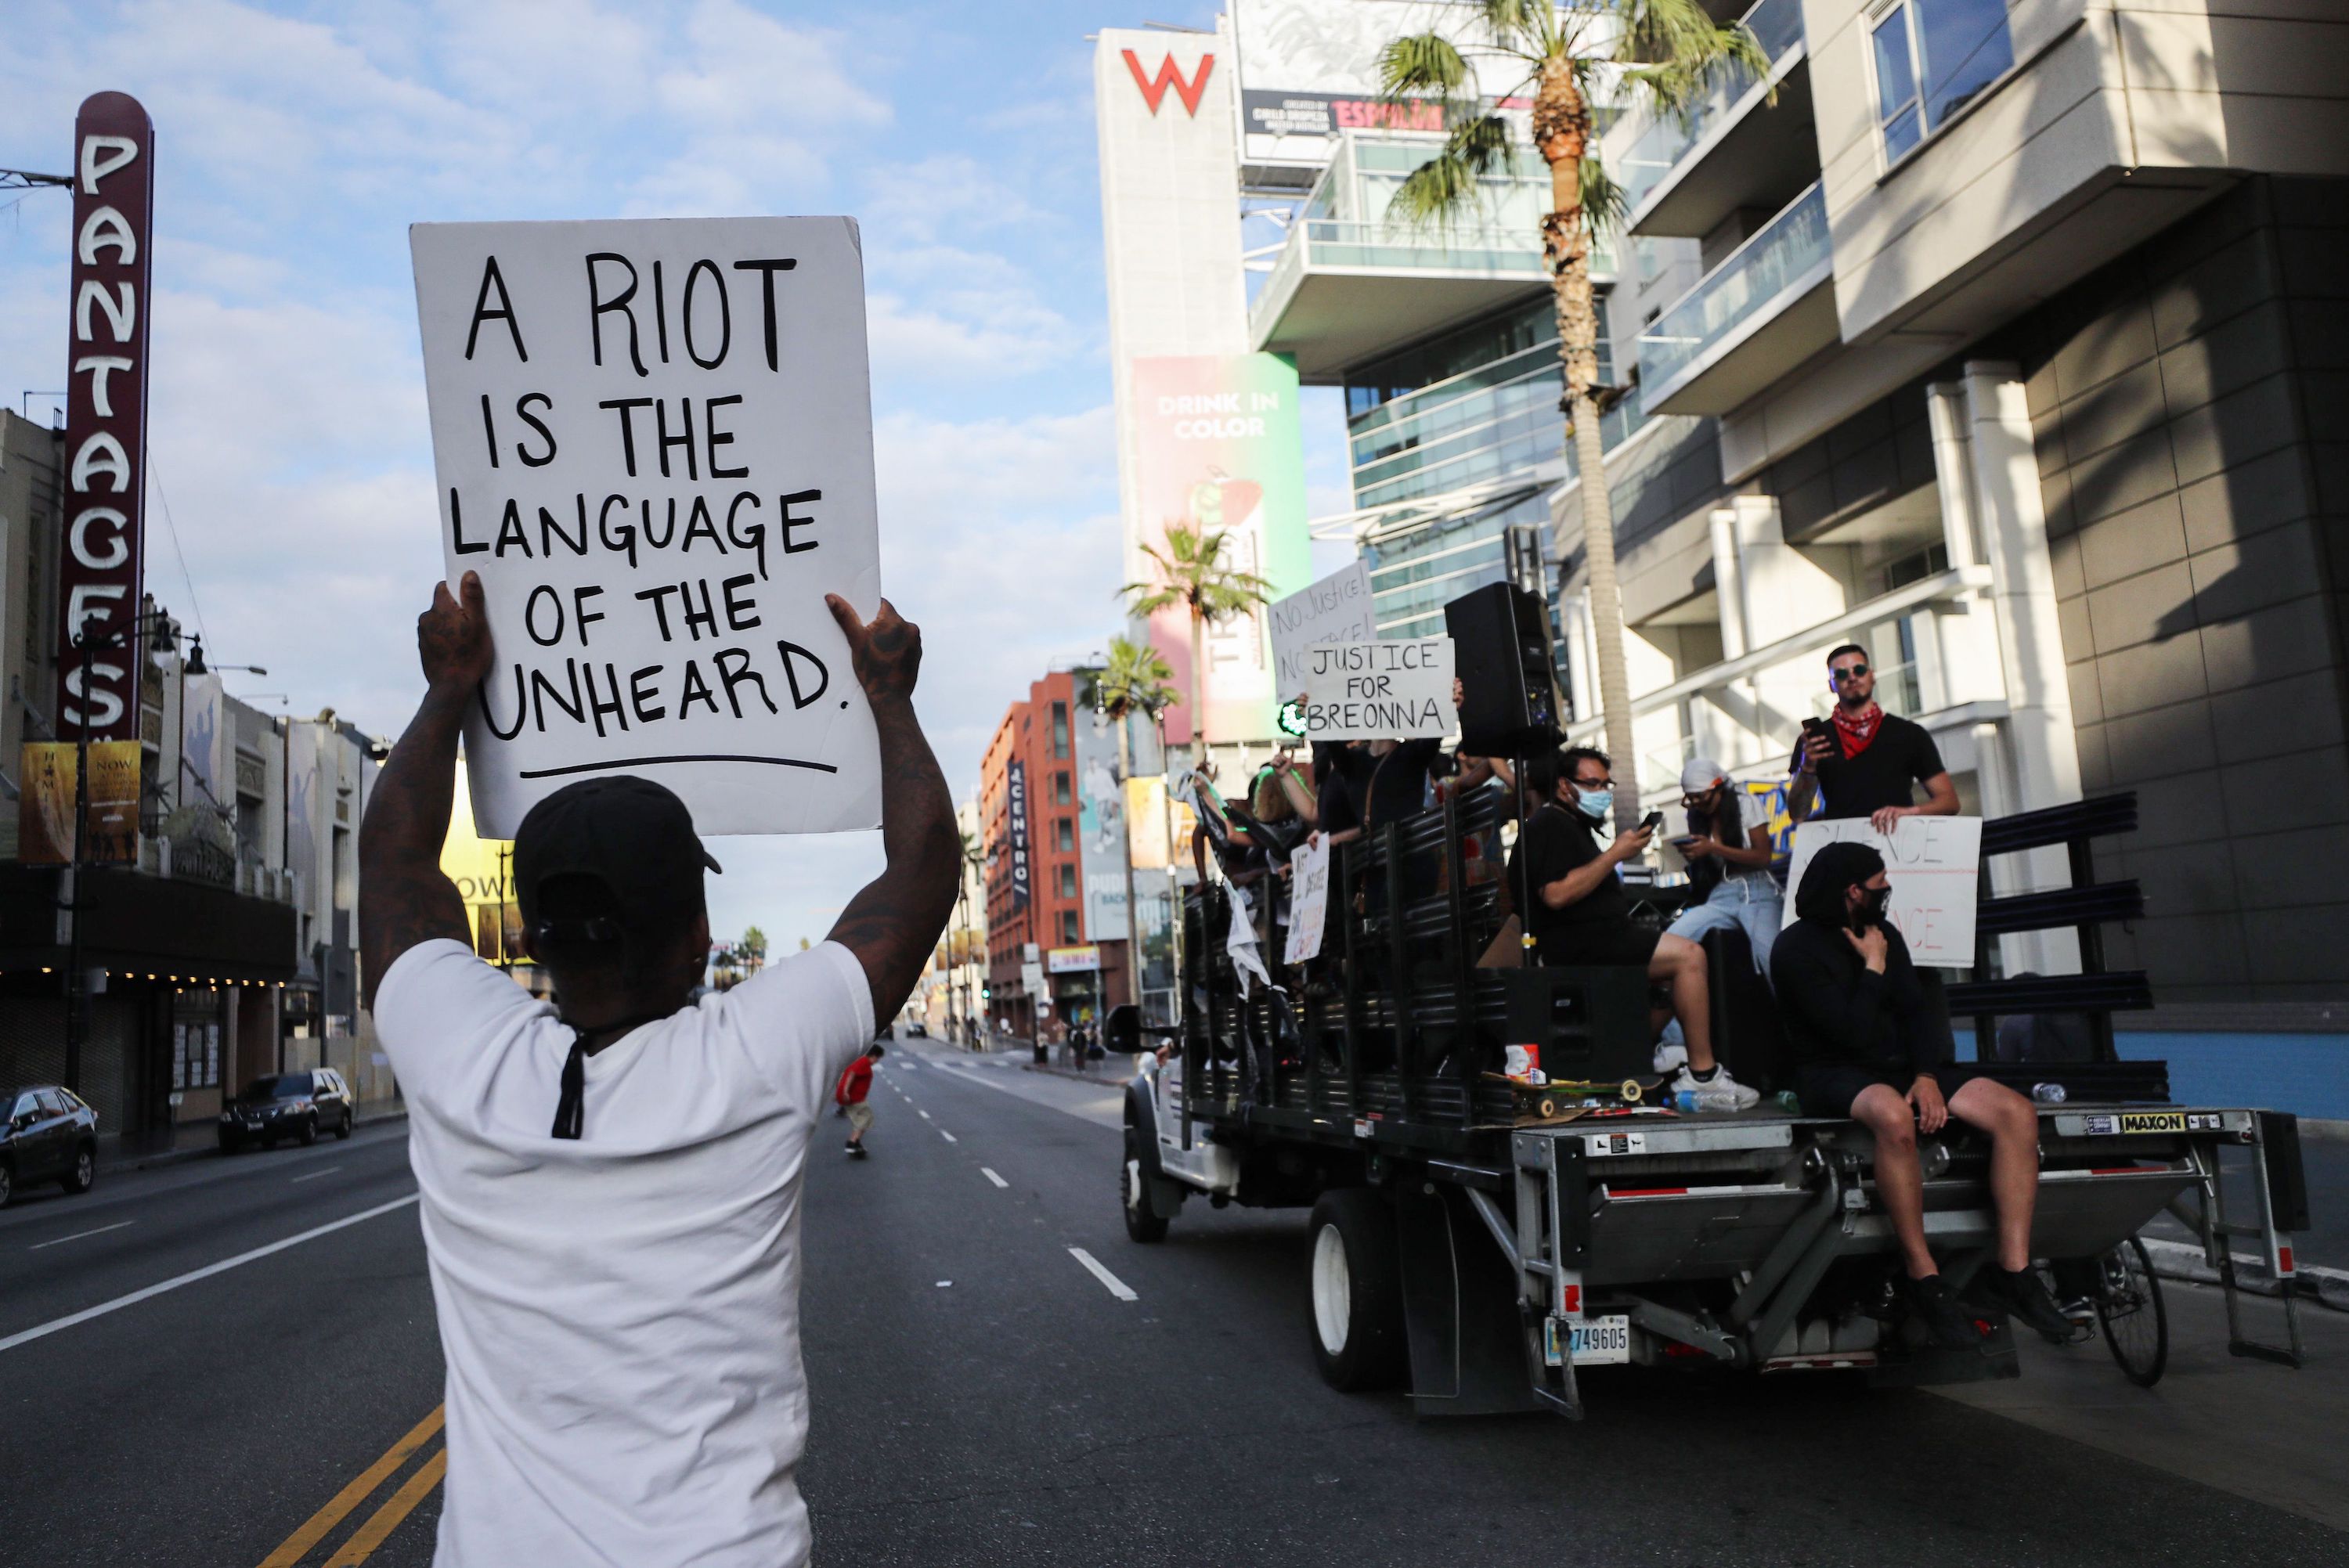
(1864, 1045)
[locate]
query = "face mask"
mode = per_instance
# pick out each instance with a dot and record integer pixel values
(1871, 906)
(1595, 804)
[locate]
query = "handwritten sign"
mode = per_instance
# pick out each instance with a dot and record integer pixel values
(1932, 863)
(1336, 609)
(654, 443)
(1396, 690)
(1308, 899)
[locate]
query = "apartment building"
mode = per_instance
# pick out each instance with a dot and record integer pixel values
(2007, 340)
(1046, 968)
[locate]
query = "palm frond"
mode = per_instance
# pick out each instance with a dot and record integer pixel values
(1603, 204)
(1675, 52)
(1421, 65)
(1448, 185)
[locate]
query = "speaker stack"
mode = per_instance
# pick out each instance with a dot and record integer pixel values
(1500, 649)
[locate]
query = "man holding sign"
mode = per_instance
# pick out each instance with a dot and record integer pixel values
(610, 1191)
(654, 442)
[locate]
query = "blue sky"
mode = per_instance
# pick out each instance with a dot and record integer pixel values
(294, 145)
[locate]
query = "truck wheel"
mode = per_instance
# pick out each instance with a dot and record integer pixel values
(1356, 1292)
(1143, 1222)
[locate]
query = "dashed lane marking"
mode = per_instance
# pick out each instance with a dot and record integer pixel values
(77, 1235)
(40, 1331)
(314, 1175)
(993, 1177)
(1117, 1288)
(922, 1114)
(948, 1136)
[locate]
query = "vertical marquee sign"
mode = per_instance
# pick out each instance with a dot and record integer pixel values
(106, 416)
(1015, 804)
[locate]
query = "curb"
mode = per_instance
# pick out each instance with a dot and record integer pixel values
(2310, 1281)
(165, 1157)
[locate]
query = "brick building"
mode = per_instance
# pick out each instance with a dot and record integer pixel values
(1038, 948)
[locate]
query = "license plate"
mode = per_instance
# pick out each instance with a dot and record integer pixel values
(1588, 1341)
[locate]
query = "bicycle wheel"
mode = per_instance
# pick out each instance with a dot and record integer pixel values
(2129, 1307)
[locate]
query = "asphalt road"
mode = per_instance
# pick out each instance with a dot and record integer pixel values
(981, 1395)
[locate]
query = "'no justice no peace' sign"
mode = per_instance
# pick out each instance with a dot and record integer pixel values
(654, 443)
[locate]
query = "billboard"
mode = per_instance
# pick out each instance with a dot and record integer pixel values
(105, 418)
(1217, 449)
(45, 803)
(1308, 69)
(1101, 827)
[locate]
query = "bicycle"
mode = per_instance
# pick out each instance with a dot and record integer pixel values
(2119, 1295)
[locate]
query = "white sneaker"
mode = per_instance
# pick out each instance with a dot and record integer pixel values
(1721, 1093)
(1671, 1056)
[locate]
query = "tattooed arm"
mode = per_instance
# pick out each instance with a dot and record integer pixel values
(404, 897)
(893, 925)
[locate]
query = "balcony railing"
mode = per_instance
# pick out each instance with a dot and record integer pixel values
(1382, 246)
(1788, 254)
(1657, 149)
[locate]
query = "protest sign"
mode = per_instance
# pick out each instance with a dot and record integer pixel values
(654, 443)
(1308, 899)
(1932, 863)
(1378, 691)
(1336, 609)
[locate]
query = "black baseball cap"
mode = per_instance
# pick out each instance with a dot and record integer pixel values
(629, 833)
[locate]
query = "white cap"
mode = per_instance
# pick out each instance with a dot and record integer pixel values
(1700, 775)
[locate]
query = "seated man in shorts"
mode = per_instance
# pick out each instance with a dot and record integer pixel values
(1578, 911)
(1864, 1047)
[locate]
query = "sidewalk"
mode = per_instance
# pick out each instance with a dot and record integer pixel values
(201, 1140)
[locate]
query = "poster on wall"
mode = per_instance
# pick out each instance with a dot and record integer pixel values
(1101, 827)
(1219, 452)
(654, 441)
(45, 803)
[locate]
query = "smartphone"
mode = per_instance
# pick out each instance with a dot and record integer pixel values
(1652, 822)
(1818, 727)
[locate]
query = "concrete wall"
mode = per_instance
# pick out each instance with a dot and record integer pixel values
(2190, 413)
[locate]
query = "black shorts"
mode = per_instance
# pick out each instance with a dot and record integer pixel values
(1828, 1088)
(1625, 943)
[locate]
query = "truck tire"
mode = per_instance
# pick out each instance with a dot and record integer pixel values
(1143, 1222)
(1354, 1292)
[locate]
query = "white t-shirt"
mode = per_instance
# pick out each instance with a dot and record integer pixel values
(619, 1313)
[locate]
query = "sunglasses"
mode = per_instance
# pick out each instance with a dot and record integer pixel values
(1848, 673)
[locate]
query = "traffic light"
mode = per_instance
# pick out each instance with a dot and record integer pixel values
(986, 992)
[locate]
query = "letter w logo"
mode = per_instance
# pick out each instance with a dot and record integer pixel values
(1154, 88)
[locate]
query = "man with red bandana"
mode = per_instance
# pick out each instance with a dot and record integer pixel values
(1866, 764)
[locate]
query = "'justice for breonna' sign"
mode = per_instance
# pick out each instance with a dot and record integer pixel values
(654, 442)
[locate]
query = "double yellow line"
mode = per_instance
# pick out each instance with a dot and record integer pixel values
(379, 1525)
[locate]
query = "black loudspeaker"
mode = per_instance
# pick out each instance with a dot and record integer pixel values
(1500, 650)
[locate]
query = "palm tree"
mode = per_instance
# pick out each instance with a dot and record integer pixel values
(1192, 572)
(753, 949)
(1665, 51)
(1134, 679)
(974, 861)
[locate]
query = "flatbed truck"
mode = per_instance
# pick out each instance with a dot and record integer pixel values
(1480, 1245)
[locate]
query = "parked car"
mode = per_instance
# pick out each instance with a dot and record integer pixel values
(917, 1030)
(51, 1135)
(287, 1105)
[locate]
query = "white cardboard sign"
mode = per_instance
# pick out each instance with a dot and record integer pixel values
(1400, 689)
(1308, 899)
(1932, 865)
(654, 442)
(1336, 609)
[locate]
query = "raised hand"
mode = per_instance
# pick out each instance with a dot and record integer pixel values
(886, 650)
(452, 637)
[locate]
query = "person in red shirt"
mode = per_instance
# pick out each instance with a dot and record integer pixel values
(855, 1083)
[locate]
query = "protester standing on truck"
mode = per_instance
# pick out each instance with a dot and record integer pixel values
(1578, 913)
(1859, 1029)
(1729, 838)
(610, 1185)
(1863, 761)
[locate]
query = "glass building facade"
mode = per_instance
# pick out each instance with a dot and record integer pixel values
(1477, 406)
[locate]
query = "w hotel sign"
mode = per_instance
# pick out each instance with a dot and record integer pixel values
(105, 418)
(1153, 87)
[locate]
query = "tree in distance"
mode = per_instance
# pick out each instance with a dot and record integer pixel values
(1192, 572)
